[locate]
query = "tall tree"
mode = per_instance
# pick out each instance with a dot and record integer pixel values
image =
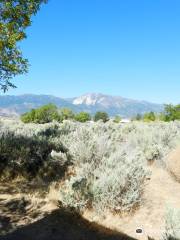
(15, 17)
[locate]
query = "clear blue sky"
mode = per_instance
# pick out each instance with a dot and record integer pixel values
(119, 47)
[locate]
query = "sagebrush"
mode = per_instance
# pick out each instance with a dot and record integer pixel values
(104, 165)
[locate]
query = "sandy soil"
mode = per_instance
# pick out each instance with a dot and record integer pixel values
(26, 215)
(36, 217)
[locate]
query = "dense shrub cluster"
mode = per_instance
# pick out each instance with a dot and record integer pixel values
(28, 153)
(108, 161)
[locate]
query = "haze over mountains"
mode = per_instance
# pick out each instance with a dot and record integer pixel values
(91, 102)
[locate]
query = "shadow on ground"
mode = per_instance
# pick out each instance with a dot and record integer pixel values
(64, 225)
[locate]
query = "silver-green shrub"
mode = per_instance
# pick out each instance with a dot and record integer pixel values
(112, 160)
(172, 224)
(109, 160)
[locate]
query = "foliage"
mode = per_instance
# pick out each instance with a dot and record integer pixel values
(110, 163)
(108, 160)
(95, 183)
(15, 17)
(44, 114)
(66, 113)
(29, 117)
(172, 224)
(28, 157)
(149, 117)
(83, 117)
(47, 113)
(117, 119)
(101, 116)
(171, 113)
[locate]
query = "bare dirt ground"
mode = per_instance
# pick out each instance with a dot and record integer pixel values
(29, 216)
(19, 206)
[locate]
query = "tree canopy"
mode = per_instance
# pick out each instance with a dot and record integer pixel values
(171, 113)
(150, 116)
(44, 114)
(83, 117)
(15, 17)
(66, 113)
(117, 119)
(101, 116)
(47, 113)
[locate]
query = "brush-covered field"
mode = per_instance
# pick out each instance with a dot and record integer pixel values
(99, 167)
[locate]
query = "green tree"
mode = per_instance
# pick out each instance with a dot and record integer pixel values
(177, 112)
(28, 117)
(149, 117)
(15, 17)
(101, 116)
(117, 119)
(171, 113)
(44, 114)
(66, 113)
(83, 117)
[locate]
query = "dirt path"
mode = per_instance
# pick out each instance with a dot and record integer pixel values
(160, 192)
(30, 217)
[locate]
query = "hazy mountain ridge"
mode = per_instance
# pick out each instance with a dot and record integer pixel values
(90, 102)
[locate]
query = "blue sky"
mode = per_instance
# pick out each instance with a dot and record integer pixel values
(129, 48)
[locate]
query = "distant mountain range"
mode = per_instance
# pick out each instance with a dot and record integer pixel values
(91, 102)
